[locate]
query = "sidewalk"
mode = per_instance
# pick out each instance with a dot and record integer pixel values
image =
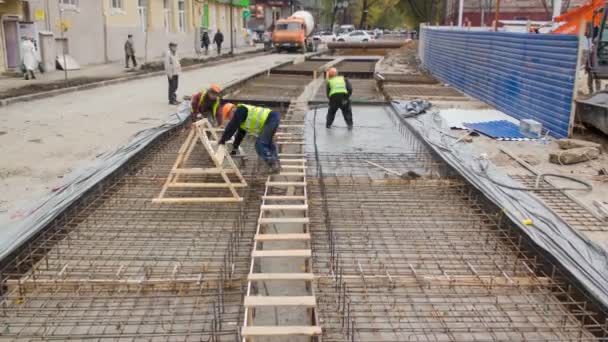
(101, 72)
(42, 140)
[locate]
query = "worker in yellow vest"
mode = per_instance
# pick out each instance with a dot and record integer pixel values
(205, 104)
(259, 121)
(339, 91)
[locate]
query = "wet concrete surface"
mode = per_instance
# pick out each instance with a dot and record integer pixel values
(377, 137)
(363, 91)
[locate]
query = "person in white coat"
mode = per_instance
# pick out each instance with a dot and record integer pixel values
(173, 69)
(29, 58)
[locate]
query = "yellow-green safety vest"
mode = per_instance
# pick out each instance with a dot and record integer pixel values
(256, 118)
(337, 85)
(215, 105)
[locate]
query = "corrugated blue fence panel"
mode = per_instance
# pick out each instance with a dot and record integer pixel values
(528, 76)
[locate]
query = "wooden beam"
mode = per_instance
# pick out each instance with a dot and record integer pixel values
(280, 276)
(284, 207)
(257, 301)
(300, 253)
(281, 237)
(184, 200)
(200, 171)
(283, 198)
(204, 185)
(273, 220)
(278, 184)
(281, 331)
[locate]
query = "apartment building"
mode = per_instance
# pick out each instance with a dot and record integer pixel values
(95, 30)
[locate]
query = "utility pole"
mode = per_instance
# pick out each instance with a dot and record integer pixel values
(460, 10)
(497, 15)
(231, 31)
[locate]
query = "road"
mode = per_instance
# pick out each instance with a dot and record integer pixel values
(42, 141)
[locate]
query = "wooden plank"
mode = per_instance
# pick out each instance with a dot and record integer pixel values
(282, 237)
(200, 171)
(257, 301)
(205, 185)
(185, 200)
(280, 276)
(283, 198)
(292, 161)
(285, 207)
(293, 167)
(272, 220)
(302, 253)
(292, 174)
(296, 155)
(277, 184)
(281, 331)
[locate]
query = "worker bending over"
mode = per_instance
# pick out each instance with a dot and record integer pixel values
(339, 91)
(259, 121)
(205, 104)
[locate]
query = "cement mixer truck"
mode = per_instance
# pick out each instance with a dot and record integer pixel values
(294, 32)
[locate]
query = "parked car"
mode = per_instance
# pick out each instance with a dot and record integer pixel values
(325, 37)
(355, 36)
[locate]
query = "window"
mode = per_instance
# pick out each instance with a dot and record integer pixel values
(116, 4)
(181, 15)
(167, 14)
(69, 3)
(142, 11)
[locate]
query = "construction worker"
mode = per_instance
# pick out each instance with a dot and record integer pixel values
(339, 91)
(259, 121)
(205, 104)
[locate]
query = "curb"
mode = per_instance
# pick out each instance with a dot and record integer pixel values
(51, 93)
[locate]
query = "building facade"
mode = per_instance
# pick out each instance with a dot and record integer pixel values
(479, 12)
(94, 31)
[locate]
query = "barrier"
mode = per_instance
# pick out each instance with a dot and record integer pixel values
(528, 76)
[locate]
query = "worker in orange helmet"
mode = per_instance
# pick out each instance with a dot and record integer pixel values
(205, 104)
(259, 121)
(339, 91)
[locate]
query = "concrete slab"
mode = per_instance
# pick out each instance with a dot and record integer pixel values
(377, 137)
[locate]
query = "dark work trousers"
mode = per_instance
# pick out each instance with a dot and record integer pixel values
(342, 102)
(219, 48)
(264, 146)
(173, 82)
(132, 58)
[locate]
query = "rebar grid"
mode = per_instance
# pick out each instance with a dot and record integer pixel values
(572, 212)
(123, 268)
(422, 260)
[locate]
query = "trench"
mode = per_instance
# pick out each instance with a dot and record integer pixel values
(395, 258)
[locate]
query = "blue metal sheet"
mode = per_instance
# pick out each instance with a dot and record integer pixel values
(528, 76)
(499, 130)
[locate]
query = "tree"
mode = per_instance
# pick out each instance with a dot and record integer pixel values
(423, 11)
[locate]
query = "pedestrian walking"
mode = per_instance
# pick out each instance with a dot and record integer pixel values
(29, 58)
(130, 52)
(339, 91)
(218, 39)
(173, 69)
(205, 41)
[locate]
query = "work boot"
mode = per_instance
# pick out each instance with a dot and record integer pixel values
(275, 167)
(328, 126)
(350, 127)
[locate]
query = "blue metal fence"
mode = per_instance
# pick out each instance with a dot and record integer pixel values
(528, 76)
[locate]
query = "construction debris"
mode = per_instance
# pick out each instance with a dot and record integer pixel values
(574, 155)
(567, 144)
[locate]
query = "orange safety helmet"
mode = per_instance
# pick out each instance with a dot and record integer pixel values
(226, 110)
(332, 72)
(215, 88)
